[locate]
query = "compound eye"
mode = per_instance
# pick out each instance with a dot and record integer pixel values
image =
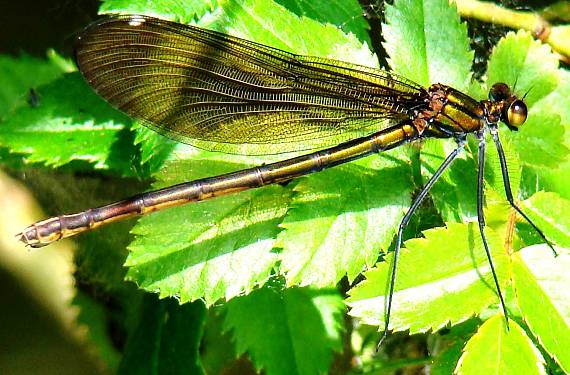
(516, 114)
(499, 91)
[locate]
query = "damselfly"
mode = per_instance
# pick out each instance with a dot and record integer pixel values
(222, 93)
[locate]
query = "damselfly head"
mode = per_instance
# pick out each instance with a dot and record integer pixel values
(513, 109)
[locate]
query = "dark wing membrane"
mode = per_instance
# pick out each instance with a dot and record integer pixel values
(227, 94)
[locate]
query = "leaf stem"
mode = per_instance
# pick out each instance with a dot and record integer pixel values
(558, 37)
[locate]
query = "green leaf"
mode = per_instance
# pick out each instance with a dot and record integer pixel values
(166, 339)
(294, 331)
(556, 103)
(345, 14)
(442, 278)
(427, 42)
(155, 149)
(183, 12)
(266, 22)
(541, 285)
(526, 65)
(70, 124)
(210, 250)
(540, 143)
(340, 219)
(546, 209)
(494, 350)
(20, 75)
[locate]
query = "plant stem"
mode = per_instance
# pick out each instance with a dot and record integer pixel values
(558, 37)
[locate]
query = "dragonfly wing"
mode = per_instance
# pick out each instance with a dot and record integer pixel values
(224, 93)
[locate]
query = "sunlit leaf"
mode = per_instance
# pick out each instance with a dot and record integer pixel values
(494, 350)
(442, 278)
(541, 285)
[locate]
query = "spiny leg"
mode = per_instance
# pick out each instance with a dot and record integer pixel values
(508, 191)
(481, 220)
(405, 220)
